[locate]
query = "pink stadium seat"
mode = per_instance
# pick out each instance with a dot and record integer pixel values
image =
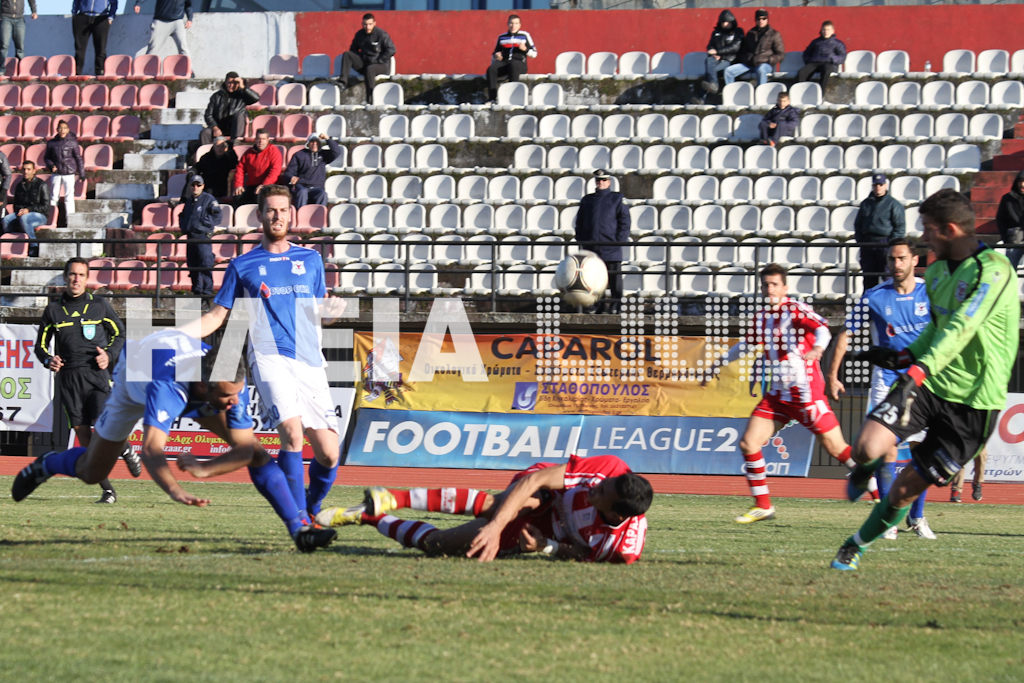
(268, 122)
(246, 218)
(225, 246)
(94, 127)
(115, 68)
(36, 128)
(123, 96)
(35, 153)
(292, 151)
(59, 68)
(155, 218)
(10, 127)
(101, 273)
(145, 67)
(296, 128)
(218, 275)
(332, 276)
(14, 152)
(10, 65)
(30, 68)
(14, 245)
(242, 149)
(10, 96)
(98, 157)
(81, 187)
(161, 276)
(311, 217)
(74, 122)
(176, 67)
(94, 96)
(227, 216)
(324, 245)
(180, 244)
(129, 274)
(154, 96)
(124, 128)
(63, 97)
(159, 246)
(267, 93)
(249, 241)
(34, 97)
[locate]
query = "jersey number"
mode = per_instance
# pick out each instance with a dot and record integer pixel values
(816, 410)
(887, 413)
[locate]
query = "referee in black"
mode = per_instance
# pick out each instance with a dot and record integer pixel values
(87, 336)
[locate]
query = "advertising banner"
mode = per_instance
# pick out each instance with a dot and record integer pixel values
(1006, 445)
(26, 387)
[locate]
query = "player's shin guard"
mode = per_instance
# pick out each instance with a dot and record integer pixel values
(320, 481)
(882, 517)
(63, 462)
(270, 481)
(757, 479)
(454, 501)
(410, 533)
(290, 463)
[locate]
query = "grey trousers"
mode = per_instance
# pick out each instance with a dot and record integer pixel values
(160, 31)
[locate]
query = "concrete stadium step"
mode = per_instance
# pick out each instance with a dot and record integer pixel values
(103, 206)
(152, 161)
(85, 233)
(99, 221)
(129, 184)
(989, 193)
(41, 277)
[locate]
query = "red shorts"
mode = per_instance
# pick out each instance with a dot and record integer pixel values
(816, 415)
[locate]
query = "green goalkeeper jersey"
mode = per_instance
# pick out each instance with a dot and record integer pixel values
(970, 345)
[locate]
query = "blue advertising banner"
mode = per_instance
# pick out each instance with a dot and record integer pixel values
(500, 441)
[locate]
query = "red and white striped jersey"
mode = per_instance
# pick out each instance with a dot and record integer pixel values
(786, 332)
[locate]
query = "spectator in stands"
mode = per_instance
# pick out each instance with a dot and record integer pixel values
(225, 114)
(200, 214)
(761, 51)
(217, 166)
(12, 24)
(508, 58)
(63, 157)
(604, 218)
(259, 166)
(823, 56)
(171, 19)
(307, 171)
(31, 203)
(92, 18)
(880, 219)
(5, 181)
(723, 46)
(780, 121)
(1010, 219)
(370, 54)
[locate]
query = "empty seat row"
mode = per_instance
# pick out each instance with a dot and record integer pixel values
(939, 95)
(159, 217)
(41, 126)
(94, 96)
(468, 189)
(116, 67)
(315, 65)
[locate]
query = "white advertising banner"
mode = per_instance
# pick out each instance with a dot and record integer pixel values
(1006, 445)
(26, 387)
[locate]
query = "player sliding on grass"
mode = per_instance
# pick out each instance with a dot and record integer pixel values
(792, 337)
(589, 509)
(219, 407)
(957, 370)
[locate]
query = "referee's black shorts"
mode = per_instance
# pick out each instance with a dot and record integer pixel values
(956, 433)
(83, 393)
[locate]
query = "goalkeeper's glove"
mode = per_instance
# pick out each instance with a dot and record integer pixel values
(886, 358)
(904, 392)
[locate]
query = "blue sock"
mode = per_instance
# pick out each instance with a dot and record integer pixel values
(63, 462)
(917, 507)
(885, 475)
(290, 463)
(271, 482)
(320, 480)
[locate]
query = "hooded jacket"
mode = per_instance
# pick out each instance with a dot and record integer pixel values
(761, 46)
(1010, 215)
(309, 168)
(64, 154)
(726, 41)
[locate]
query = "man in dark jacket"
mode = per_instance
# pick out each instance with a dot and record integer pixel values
(508, 58)
(171, 19)
(823, 56)
(604, 218)
(217, 166)
(200, 214)
(63, 158)
(225, 114)
(780, 121)
(12, 24)
(307, 171)
(31, 205)
(880, 219)
(761, 51)
(1010, 219)
(370, 54)
(92, 18)
(723, 46)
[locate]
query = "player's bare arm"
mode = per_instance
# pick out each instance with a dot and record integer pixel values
(245, 450)
(531, 540)
(835, 387)
(153, 443)
(207, 324)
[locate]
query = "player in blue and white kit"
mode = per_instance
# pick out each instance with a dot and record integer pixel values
(896, 312)
(154, 386)
(281, 287)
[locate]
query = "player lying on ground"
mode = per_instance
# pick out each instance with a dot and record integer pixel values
(589, 509)
(957, 370)
(219, 407)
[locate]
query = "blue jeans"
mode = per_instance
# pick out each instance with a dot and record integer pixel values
(762, 71)
(1015, 255)
(10, 26)
(713, 67)
(308, 194)
(26, 224)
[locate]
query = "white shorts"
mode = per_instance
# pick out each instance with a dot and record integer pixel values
(879, 390)
(290, 388)
(120, 414)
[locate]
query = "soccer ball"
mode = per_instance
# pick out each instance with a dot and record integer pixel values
(582, 278)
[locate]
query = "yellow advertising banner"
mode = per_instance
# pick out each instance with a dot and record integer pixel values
(550, 374)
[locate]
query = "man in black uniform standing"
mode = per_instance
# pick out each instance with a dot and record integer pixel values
(370, 54)
(604, 218)
(86, 334)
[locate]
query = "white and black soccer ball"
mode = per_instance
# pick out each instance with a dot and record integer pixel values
(581, 278)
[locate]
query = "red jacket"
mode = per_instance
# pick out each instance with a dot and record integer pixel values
(258, 168)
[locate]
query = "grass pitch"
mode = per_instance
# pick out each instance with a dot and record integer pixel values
(148, 590)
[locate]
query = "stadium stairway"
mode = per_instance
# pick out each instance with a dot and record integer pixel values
(990, 186)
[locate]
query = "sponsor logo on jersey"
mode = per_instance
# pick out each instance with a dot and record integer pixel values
(265, 290)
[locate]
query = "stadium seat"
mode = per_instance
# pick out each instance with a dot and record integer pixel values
(316, 65)
(63, 98)
(792, 159)
(30, 68)
(10, 96)
(176, 67)
(811, 220)
(59, 68)
(950, 127)
(962, 158)
(570, 64)
(296, 128)
(282, 66)
(35, 153)
(123, 128)
(94, 96)
(13, 245)
(651, 128)
(444, 218)
(528, 157)
(738, 95)
(715, 128)
(769, 189)
(666, 64)
(658, 158)
(904, 95)
(916, 127)
(634, 64)
(626, 159)
(458, 127)
(430, 157)
(398, 158)
(34, 97)
(36, 128)
(569, 189)
(101, 273)
(805, 95)
(1007, 94)
(733, 189)
(870, 95)
(439, 188)
(503, 188)
(471, 189)
(290, 96)
(160, 246)
(883, 127)
(838, 189)
(907, 189)
(891, 64)
(759, 159)
(115, 68)
(513, 94)
(767, 94)
(602, 64)
(970, 95)
(521, 126)
(700, 189)
(15, 154)
(693, 64)
(986, 126)
(958, 63)
(593, 157)
(791, 63)
(145, 67)
(992, 64)
(153, 96)
(1017, 64)
(366, 156)
(815, 127)
(541, 221)
(683, 127)
(406, 188)
(331, 125)
(617, 127)
(938, 95)
(388, 95)
(859, 63)
(563, 158)
(675, 221)
(267, 94)
(270, 123)
(927, 158)
(547, 95)
(129, 274)
(893, 159)
(123, 97)
(477, 219)
(370, 188)
(156, 217)
(98, 157)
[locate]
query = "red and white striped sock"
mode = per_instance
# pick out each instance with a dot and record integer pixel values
(757, 480)
(454, 501)
(410, 533)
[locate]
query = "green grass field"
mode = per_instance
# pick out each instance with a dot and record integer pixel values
(150, 590)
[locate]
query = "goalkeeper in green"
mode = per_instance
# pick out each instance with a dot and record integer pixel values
(957, 370)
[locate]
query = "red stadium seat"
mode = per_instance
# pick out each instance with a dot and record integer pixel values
(115, 68)
(10, 96)
(296, 128)
(15, 154)
(161, 276)
(155, 218)
(34, 97)
(179, 255)
(176, 67)
(36, 128)
(249, 241)
(13, 245)
(324, 245)
(154, 96)
(268, 122)
(63, 97)
(35, 154)
(267, 94)
(59, 68)
(101, 273)
(312, 217)
(94, 96)
(145, 67)
(160, 246)
(332, 276)
(94, 127)
(123, 96)
(30, 68)
(124, 128)
(98, 157)
(10, 65)
(129, 274)
(10, 127)
(225, 246)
